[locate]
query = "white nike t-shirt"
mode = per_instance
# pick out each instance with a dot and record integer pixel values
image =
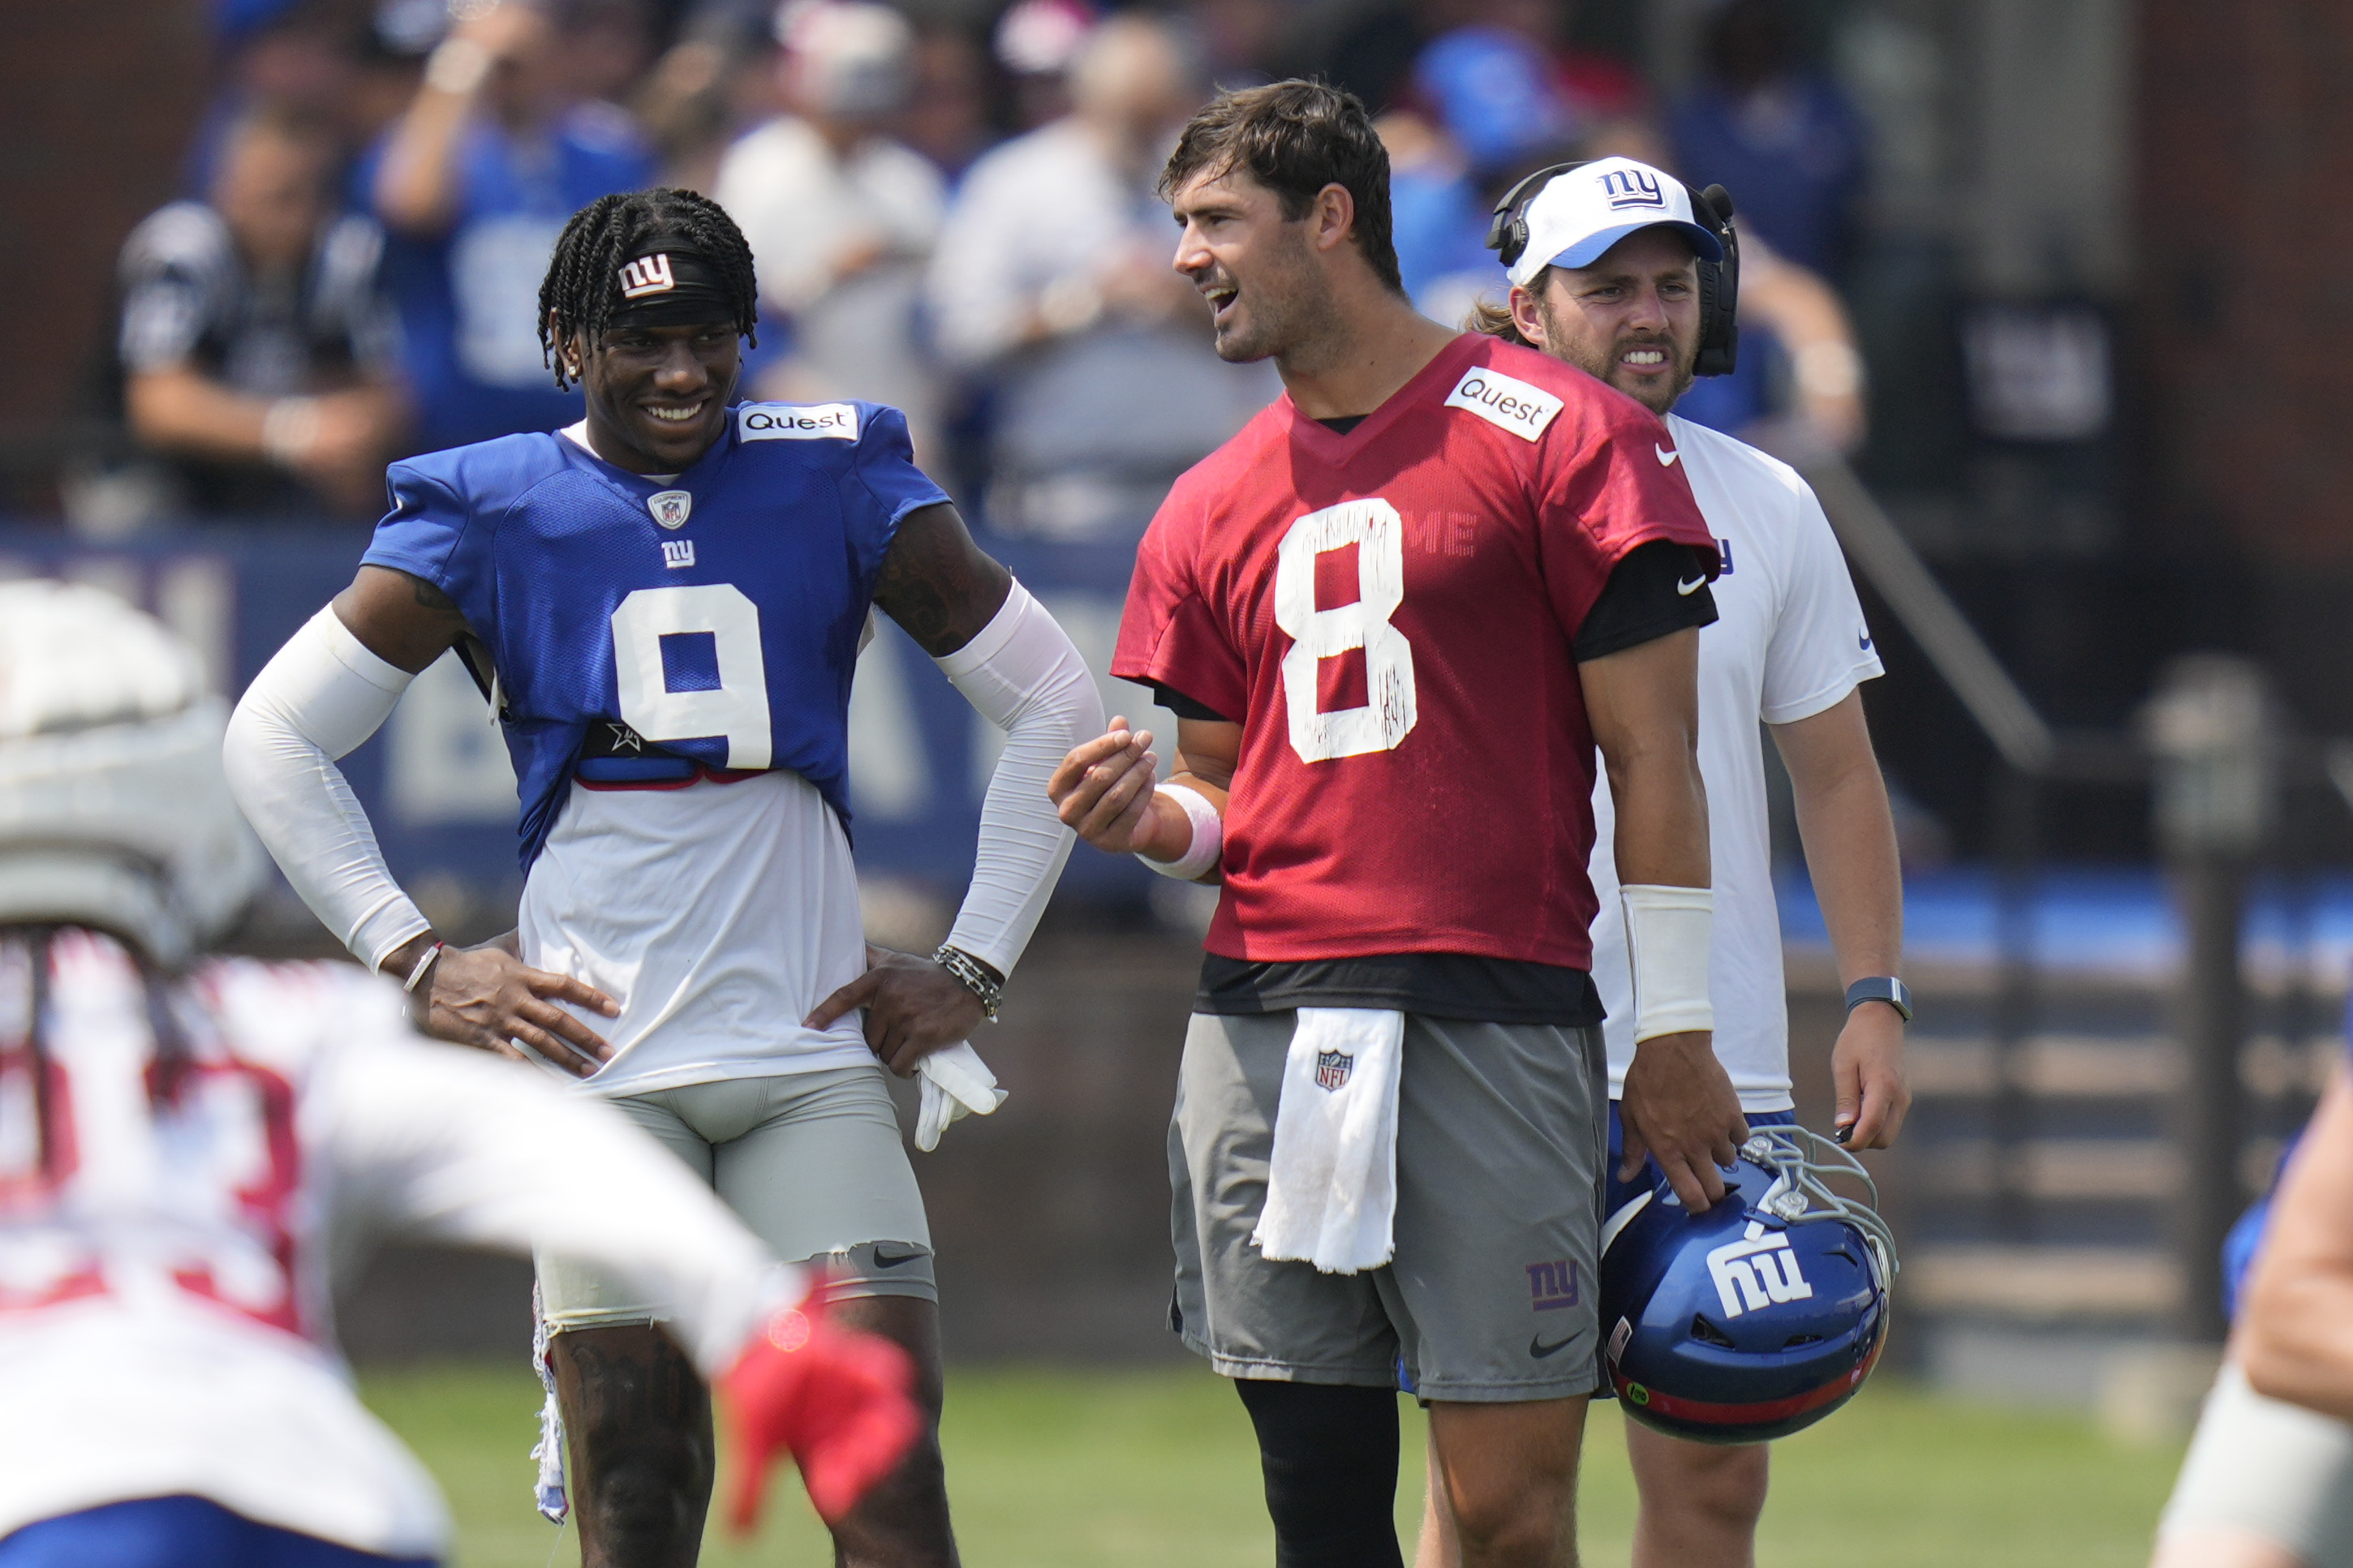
(1789, 642)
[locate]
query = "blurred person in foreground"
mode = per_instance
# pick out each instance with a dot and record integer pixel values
(1051, 287)
(1435, 551)
(664, 605)
(191, 1149)
(1608, 279)
(475, 181)
(256, 348)
(2268, 1479)
(840, 217)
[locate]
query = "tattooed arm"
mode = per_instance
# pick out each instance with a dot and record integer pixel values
(939, 585)
(1013, 664)
(403, 620)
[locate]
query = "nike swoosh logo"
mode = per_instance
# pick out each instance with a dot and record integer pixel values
(1688, 589)
(1666, 459)
(1538, 1349)
(891, 1260)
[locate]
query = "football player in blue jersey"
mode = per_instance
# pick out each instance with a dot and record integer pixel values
(664, 605)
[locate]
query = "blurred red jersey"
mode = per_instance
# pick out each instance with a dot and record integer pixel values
(1388, 614)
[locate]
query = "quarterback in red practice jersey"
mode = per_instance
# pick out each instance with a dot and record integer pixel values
(1395, 617)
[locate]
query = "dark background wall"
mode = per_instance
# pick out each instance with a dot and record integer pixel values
(96, 102)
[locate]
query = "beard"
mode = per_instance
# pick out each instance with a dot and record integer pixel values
(1656, 394)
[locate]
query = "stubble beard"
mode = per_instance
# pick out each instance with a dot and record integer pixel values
(1290, 316)
(1659, 397)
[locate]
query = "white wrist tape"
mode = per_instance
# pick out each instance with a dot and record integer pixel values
(1022, 675)
(1209, 844)
(315, 702)
(1667, 934)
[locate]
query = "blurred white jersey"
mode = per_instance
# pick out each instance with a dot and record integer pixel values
(169, 1219)
(1789, 642)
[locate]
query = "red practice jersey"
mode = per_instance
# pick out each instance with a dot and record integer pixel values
(1389, 615)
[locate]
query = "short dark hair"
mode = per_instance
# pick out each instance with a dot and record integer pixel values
(579, 296)
(1295, 138)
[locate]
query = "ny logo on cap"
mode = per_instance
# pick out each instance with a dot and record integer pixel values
(646, 275)
(1632, 188)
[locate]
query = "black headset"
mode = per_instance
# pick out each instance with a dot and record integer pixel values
(1719, 282)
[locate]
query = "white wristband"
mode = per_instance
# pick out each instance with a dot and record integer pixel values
(1209, 844)
(1667, 935)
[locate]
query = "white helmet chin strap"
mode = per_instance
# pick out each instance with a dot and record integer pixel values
(1802, 1161)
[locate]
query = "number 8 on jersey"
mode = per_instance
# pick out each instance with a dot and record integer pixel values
(1372, 525)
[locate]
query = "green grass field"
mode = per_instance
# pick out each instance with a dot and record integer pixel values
(1062, 1469)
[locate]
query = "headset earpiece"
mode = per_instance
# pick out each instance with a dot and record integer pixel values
(1719, 287)
(1508, 235)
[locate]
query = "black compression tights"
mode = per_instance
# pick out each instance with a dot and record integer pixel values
(1331, 1460)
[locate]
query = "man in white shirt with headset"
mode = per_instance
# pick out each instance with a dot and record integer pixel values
(1605, 276)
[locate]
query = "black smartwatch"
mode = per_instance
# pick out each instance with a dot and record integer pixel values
(1881, 988)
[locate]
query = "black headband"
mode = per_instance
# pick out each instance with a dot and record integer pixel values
(667, 287)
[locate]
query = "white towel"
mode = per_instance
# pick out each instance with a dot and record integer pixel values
(956, 1083)
(1331, 1188)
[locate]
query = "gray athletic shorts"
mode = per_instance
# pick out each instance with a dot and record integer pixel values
(1491, 1297)
(2270, 1468)
(812, 1163)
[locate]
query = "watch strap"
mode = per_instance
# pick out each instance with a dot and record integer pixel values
(1884, 988)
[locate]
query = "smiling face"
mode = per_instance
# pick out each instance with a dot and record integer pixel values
(1260, 272)
(1631, 319)
(657, 396)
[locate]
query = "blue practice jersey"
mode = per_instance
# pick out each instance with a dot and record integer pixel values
(712, 621)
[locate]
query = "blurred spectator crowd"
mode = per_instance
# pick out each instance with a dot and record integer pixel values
(950, 203)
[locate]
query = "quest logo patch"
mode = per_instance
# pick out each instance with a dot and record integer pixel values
(798, 422)
(1505, 401)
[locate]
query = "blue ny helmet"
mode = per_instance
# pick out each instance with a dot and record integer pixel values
(1761, 1316)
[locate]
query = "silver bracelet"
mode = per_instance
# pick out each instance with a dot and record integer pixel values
(974, 975)
(417, 974)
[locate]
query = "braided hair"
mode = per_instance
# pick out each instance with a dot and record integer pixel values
(579, 297)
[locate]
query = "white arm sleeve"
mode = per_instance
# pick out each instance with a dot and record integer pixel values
(312, 705)
(434, 1142)
(1022, 675)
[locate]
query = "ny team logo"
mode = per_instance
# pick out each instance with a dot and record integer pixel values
(1759, 1270)
(646, 275)
(677, 553)
(1331, 1069)
(1632, 188)
(1552, 1284)
(671, 508)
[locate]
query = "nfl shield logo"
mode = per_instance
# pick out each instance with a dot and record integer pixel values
(1332, 1068)
(670, 507)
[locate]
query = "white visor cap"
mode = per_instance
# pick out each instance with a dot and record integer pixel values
(1581, 214)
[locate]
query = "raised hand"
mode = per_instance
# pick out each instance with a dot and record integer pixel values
(1103, 790)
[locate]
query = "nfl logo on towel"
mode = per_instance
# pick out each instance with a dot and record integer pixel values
(1332, 1068)
(670, 507)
